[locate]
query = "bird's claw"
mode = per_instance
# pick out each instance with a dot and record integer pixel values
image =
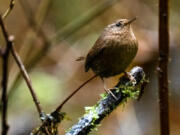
(131, 78)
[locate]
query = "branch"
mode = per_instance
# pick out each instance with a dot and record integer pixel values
(163, 66)
(5, 56)
(50, 124)
(11, 6)
(123, 90)
(10, 47)
(28, 80)
(73, 93)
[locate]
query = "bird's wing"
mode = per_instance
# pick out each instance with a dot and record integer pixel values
(96, 50)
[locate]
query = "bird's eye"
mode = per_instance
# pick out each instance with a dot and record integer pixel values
(118, 24)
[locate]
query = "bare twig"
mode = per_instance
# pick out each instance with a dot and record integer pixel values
(22, 68)
(11, 5)
(4, 99)
(29, 14)
(163, 66)
(5, 56)
(27, 79)
(73, 93)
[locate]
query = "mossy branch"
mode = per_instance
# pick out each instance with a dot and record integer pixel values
(123, 90)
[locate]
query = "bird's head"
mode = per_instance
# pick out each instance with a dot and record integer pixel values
(120, 25)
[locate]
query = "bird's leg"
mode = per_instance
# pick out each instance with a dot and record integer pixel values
(131, 78)
(109, 90)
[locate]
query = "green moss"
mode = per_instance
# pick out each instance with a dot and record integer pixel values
(103, 96)
(92, 110)
(127, 90)
(131, 93)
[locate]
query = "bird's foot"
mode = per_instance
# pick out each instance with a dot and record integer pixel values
(131, 78)
(108, 91)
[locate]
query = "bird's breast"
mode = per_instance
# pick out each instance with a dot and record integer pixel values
(115, 58)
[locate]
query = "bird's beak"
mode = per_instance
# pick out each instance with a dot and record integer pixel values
(130, 21)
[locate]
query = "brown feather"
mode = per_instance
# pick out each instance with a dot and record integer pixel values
(113, 51)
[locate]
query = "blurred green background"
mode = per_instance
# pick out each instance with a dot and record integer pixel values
(72, 27)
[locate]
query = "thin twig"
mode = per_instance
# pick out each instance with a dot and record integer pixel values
(23, 70)
(163, 66)
(4, 99)
(5, 56)
(11, 48)
(27, 79)
(29, 14)
(73, 93)
(11, 5)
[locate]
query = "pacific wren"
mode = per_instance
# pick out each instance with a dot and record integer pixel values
(111, 54)
(114, 49)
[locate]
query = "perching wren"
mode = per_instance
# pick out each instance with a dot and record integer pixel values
(111, 54)
(114, 49)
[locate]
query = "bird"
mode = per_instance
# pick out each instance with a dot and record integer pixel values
(113, 51)
(111, 54)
